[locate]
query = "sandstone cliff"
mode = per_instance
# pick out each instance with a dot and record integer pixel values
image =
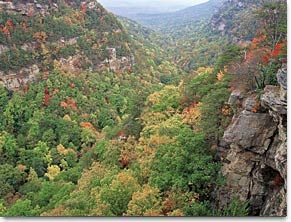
(254, 150)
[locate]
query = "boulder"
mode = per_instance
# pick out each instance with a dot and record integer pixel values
(271, 99)
(250, 130)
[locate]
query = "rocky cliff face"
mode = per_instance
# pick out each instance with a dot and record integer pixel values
(254, 150)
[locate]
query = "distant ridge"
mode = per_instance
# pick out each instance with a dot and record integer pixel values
(190, 14)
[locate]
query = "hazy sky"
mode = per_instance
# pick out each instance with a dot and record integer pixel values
(144, 3)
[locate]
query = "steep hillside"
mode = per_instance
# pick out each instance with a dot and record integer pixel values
(237, 19)
(73, 36)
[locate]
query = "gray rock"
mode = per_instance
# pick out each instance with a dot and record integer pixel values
(235, 97)
(256, 152)
(250, 130)
(282, 77)
(276, 203)
(271, 99)
(3, 49)
(250, 103)
(38, 6)
(25, 76)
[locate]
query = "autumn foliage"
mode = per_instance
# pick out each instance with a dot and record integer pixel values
(40, 36)
(87, 125)
(7, 28)
(260, 48)
(69, 103)
(47, 97)
(84, 7)
(142, 141)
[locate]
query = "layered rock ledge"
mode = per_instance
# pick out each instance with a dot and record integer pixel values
(254, 151)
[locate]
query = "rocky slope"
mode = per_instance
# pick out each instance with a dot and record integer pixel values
(254, 150)
(73, 36)
(236, 19)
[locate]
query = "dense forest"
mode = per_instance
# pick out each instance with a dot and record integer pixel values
(123, 119)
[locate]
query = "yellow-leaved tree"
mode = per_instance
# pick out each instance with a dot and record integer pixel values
(52, 171)
(146, 202)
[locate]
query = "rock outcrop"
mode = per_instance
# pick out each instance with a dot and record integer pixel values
(254, 151)
(230, 20)
(25, 7)
(15, 80)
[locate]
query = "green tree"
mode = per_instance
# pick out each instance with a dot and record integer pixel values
(199, 209)
(118, 194)
(88, 137)
(8, 148)
(185, 164)
(4, 98)
(22, 208)
(2, 208)
(235, 208)
(213, 122)
(10, 179)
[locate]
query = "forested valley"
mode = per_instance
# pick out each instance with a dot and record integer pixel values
(101, 115)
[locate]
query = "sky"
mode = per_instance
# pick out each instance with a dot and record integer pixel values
(153, 3)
